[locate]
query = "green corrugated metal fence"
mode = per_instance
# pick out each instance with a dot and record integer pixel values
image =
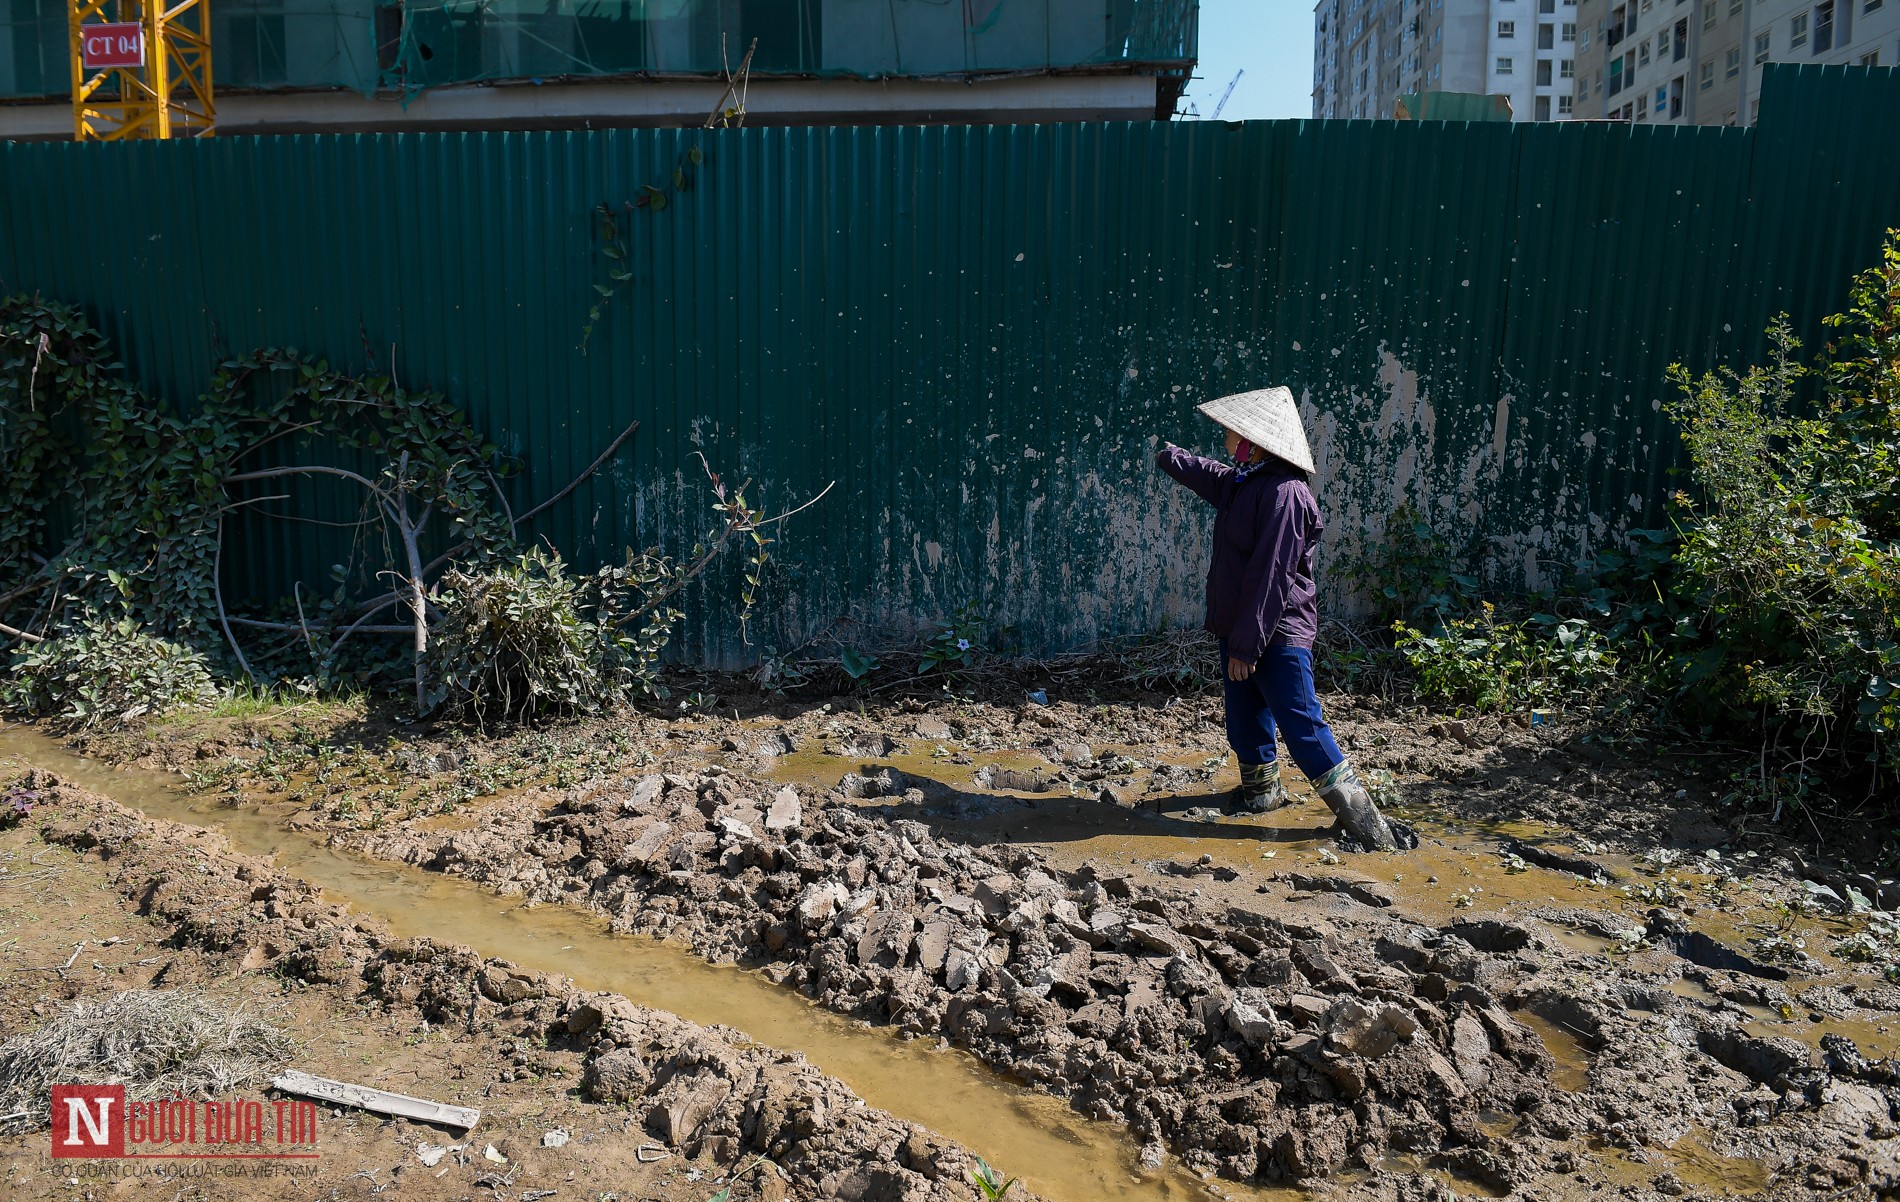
(981, 333)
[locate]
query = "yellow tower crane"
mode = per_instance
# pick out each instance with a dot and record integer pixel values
(141, 69)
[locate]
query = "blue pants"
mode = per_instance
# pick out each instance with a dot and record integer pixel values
(1279, 695)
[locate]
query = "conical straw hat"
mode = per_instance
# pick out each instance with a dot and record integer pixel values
(1269, 419)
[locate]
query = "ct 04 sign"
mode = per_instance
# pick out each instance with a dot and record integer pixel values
(116, 44)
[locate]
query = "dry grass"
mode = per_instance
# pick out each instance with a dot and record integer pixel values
(1178, 659)
(155, 1042)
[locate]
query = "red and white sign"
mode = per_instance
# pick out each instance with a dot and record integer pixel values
(114, 44)
(99, 1121)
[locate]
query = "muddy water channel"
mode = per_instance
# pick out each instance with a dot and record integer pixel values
(1058, 1154)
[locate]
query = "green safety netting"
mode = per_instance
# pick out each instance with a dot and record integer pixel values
(365, 45)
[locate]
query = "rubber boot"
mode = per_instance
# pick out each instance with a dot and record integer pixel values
(1358, 817)
(1260, 789)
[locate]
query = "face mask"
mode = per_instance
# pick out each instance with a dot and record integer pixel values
(1244, 452)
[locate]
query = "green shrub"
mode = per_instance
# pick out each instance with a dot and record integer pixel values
(1489, 663)
(103, 671)
(528, 640)
(1787, 573)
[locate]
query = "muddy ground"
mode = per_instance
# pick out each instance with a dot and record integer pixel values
(1590, 979)
(651, 1106)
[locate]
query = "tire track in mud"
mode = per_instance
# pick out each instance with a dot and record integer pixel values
(1253, 1045)
(702, 1090)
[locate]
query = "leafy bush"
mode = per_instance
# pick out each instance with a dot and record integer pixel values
(104, 671)
(956, 644)
(528, 640)
(1411, 574)
(1489, 663)
(1787, 572)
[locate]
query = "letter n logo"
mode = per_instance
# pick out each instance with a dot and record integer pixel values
(88, 1120)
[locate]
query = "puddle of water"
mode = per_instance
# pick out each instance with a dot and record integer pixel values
(1059, 1154)
(1571, 1071)
(1706, 1173)
(1877, 1039)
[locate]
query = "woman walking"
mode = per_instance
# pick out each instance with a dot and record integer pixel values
(1262, 604)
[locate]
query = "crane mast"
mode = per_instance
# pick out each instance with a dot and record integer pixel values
(141, 69)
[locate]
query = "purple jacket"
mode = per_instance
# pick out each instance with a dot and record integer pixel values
(1260, 587)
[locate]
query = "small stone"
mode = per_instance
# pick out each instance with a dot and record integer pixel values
(1470, 1049)
(1153, 938)
(1250, 1016)
(996, 893)
(1077, 753)
(643, 793)
(962, 969)
(933, 944)
(929, 727)
(819, 902)
(646, 848)
(784, 813)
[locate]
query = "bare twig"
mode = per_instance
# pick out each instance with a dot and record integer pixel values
(773, 521)
(294, 628)
(577, 481)
(732, 81)
(359, 625)
(217, 595)
(296, 590)
(23, 635)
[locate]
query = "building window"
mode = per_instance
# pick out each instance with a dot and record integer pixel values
(1870, 59)
(1565, 107)
(1754, 111)
(1507, 29)
(1761, 47)
(1542, 110)
(1662, 44)
(1708, 14)
(1675, 97)
(1708, 76)
(1583, 89)
(1570, 31)
(1546, 37)
(1543, 72)
(1504, 66)
(1642, 108)
(1642, 54)
(1733, 66)
(1662, 99)
(1871, 6)
(1546, 6)
(1567, 68)
(1734, 8)
(1682, 39)
(1823, 27)
(1797, 31)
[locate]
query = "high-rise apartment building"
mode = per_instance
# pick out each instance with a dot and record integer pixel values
(1698, 62)
(1368, 53)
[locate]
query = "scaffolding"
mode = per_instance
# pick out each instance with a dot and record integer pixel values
(166, 93)
(403, 46)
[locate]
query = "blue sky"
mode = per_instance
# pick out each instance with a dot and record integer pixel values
(1272, 41)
